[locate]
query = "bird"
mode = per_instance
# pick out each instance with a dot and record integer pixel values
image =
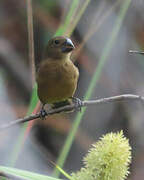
(56, 75)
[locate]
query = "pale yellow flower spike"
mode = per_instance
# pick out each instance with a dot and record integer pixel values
(108, 159)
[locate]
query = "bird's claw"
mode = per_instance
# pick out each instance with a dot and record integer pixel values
(78, 103)
(43, 113)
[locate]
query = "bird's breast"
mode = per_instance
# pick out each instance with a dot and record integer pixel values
(57, 81)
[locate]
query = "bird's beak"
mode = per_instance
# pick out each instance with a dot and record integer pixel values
(68, 46)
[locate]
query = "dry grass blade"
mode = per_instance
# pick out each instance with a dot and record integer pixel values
(31, 39)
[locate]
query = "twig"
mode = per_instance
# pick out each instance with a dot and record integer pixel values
(71, 107)
(136, 52)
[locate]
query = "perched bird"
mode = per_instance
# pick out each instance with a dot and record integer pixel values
(57, 76)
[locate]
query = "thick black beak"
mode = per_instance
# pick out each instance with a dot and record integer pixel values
(68, 46)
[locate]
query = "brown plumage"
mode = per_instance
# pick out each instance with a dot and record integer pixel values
(57, 76)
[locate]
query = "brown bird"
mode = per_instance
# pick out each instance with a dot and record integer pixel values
(57, 76)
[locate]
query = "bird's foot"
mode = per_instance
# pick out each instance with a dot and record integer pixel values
(78, 103)
(43, 113)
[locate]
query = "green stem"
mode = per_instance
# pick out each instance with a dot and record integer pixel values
(62, 29)
(34, 99)
(93, 83)
(20, 140)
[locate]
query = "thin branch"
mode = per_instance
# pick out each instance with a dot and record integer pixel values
(136, 52)
(124, 97)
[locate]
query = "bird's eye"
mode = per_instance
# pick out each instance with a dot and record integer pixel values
(56, 42)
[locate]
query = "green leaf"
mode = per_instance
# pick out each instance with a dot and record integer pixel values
(63, 172)
(25, 174)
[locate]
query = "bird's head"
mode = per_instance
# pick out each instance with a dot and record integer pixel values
(59, 47)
